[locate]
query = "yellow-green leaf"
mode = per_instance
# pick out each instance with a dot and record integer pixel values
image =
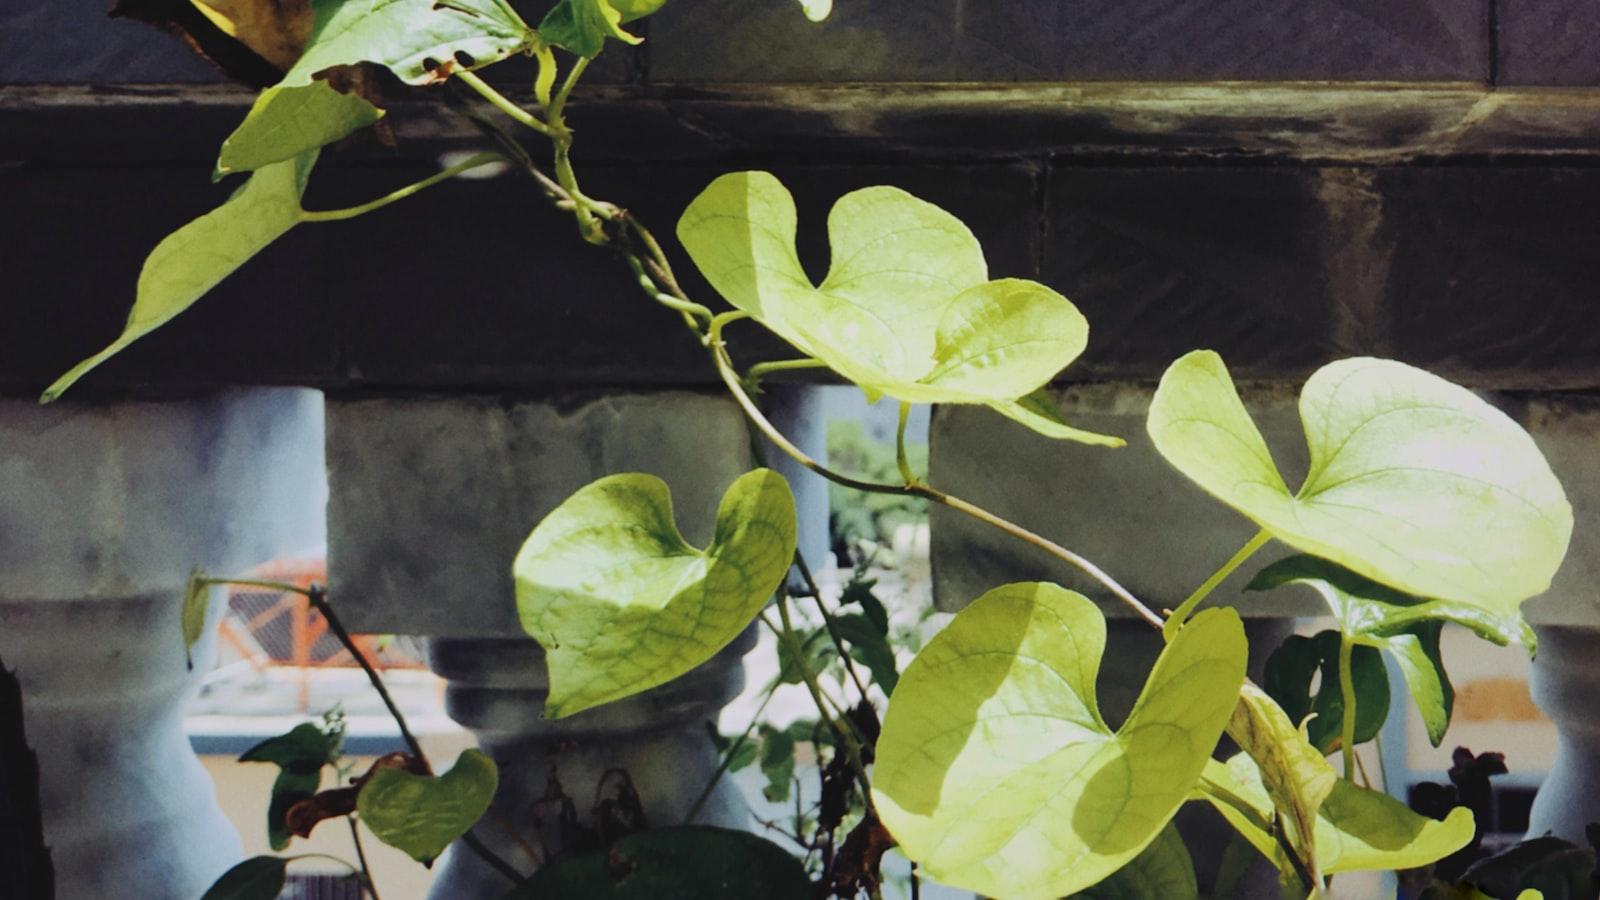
(622, 603)
(420, 41)
(1414, 482)
(192, 260)
(422, 814)
(907, 308)
(995, 769)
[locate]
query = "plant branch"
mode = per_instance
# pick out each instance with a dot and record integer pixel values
(727, 756)
(762, 369)
(828, 621)
(335, 215)
(501, 102)
(361, 855)
(1347, 691)
(845, 734)
(900, 457)
(1187, 607)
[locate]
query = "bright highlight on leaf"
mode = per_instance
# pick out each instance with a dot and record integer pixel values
(997, 773)
(907, 309)
(418, 40)
(1414, 481)
(817, 10)
(192, 260)
(622, 603)
(422, 814)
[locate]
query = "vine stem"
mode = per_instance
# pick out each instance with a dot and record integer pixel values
(762, 369)
(361, 854)
(900, 456)
(845, 733)
(1187, 607)
(503, 103)
(350, 212)
(1347, 690)
(731, 379)
(727, 756)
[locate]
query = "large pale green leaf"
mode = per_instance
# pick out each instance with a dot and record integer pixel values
(422, 814)
(193, 259)
(1164, 869)
(620, 600)
(1356, 829)
(1414, 482)
(997, 773)
(1406, 627)
(418, 40)
(692, 862)
(907, 309)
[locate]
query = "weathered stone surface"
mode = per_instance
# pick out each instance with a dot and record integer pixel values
(1494, 271)
(1255, 263)
(123, 499)
(1567, 429)
(431, 497)
(1046, 40)
(1548, 42)
(1126, 510)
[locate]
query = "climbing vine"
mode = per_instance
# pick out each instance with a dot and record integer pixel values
(991, 766)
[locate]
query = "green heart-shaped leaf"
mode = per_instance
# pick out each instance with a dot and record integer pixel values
(1356, 829)
(1295, 664)
(193, 259)
(257, 878)
(418, 40)
(1164, 869)
(997, 773)
(422, 814)
(907, 309)
(693, 862)
(1406, 627)
(1414, 481)
(582, 26)
(622, 603)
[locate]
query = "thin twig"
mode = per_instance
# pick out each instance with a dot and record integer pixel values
(361, 855)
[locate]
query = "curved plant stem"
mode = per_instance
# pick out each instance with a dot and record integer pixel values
(501, 102)
(762, 369)
(844, 732)
(335, 215)
(829, 622)
(1347, 691)
(900, 457)
(361, 854)
(727, 756)
(1187, 607)
(558, 104)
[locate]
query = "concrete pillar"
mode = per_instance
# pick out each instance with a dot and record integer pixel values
(1565, 678)
(104, 509)
(431, 499)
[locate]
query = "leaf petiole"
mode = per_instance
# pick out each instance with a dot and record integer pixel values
(475, 161)
(1185, 609)
(501, 102)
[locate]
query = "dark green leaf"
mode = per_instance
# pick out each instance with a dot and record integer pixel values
(817, 650)
(744, 751)
(859, 592)
(687, 863)
(1292, 667)
(582, 26)
(869, 645)
(304, 748)
(289, 788)
(257, 878)
(1163, 869)
(777, 763)
(1558, 869)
